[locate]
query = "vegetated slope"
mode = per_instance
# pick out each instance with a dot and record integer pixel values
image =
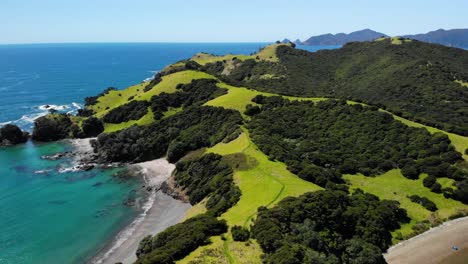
(321, 141)
(414, 79)
(328, 227)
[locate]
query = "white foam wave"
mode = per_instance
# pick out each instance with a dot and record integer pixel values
(149, 79)
(42, 171)
(26, 121)
(69, 169)
(125, 234)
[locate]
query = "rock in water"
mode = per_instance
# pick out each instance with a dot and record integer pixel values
(12, 135)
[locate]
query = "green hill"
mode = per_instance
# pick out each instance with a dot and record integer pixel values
(266, 149)
(420, 81)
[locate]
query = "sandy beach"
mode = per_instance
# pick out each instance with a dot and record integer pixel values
(433, 246)
(162, 211)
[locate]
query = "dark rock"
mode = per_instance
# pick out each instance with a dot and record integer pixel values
(87, 167)
(51, 128)
(57, 156)
(12, 135)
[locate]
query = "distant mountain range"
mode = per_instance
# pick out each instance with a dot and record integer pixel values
(453, 37)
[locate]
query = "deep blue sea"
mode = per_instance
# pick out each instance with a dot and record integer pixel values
(50, 215)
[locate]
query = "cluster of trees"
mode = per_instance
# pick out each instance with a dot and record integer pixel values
(321, 141)
(425, 202)
(415, 80)
(328, 227)
(133, 110)
(197, 92)
(208, 176)
(54, 127)
(193, 128)
(11, 135)
(179, 240)
(240, 233)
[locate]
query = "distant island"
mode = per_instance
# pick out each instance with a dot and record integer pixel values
(451, 38)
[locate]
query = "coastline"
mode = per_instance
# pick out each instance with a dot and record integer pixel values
(432, 246)
(159, 212)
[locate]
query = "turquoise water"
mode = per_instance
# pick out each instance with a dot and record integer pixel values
(57, 217)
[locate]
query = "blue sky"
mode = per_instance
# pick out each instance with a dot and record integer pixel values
(39, 21)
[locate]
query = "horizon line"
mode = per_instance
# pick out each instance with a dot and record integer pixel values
(137, 42)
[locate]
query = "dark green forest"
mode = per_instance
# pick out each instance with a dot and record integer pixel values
(328, 227)
(208, 176)
(321, 141)
(415, 80)
(133, 110)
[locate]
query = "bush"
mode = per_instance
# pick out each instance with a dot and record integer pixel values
(92, 127)
(410, 172)
(425, 202)
(252, 110)
(239, 233)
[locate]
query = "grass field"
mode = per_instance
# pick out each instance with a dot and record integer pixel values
(116, 98)
(263, 183)
(168, 84)
(394, 186)
(267, 53)
(205, 58)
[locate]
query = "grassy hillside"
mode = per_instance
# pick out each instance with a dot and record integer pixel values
(186, 113)
(421, 81)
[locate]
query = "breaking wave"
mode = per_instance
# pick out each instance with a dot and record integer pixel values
(26, 121)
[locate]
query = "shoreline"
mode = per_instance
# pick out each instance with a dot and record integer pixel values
(159, 212)
(432, 246)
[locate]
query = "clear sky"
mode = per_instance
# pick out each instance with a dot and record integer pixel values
(38, 21)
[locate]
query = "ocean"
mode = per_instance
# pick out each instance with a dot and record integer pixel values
(50, 214)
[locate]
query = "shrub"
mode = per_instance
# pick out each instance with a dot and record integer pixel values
(239, 233)
(425, 202)
(92, 127)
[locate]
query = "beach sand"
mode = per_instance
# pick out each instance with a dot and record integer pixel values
(163, 211)
(433, 246)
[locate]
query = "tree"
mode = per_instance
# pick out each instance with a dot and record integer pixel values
(239, 233)
(92, 127)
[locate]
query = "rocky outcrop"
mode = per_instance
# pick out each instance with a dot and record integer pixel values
(51, 128)
(12, 135)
